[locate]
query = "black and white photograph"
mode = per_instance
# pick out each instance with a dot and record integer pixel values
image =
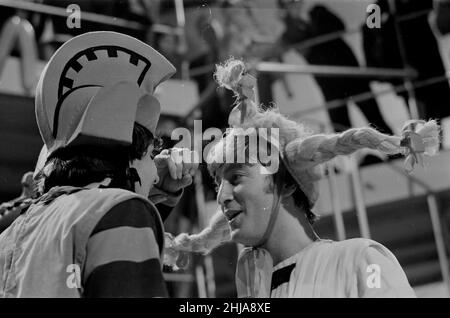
(215, 151)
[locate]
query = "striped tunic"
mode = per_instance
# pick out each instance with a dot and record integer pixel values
(123, 254)
(77, 242)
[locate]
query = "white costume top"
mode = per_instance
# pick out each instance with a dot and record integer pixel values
(350, 268)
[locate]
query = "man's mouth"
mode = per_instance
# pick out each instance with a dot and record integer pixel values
(231, 214)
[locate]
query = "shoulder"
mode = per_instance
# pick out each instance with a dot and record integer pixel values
(355, 244)
(132, 212)
(371, 259)
(97, 210)
(351, 246)
(126, 243)
(372, 269)
(353, 252)
(379, 274)
(104, 199)
(107, 193)
(361, 247)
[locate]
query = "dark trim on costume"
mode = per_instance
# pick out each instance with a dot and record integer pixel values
(127, 279)
(132, 213)
(90, 55)
(59, 105)
(281, 276)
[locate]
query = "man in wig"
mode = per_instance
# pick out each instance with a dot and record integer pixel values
(269, 210)
(92, 231)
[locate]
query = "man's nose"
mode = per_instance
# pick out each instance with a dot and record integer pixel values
(225, 195)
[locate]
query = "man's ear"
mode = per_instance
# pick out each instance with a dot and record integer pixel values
(288, 190)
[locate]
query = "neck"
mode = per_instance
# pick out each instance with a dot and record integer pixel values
(290, 234)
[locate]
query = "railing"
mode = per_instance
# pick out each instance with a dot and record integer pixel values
(90, 17)
(20, 31)
(61, 12)
(370, 95)
(327, 70)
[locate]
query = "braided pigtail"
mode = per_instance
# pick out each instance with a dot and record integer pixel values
(215, 234)
(418, 138)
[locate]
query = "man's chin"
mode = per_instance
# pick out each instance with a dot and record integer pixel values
(239, 236)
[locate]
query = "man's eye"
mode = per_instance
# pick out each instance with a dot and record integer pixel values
(235, 178)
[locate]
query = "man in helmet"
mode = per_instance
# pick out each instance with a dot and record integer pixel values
(93, 232)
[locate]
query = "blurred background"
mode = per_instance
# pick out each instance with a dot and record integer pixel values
(330, 64)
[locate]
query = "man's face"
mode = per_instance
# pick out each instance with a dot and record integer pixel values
(245, 196)
(147, 171)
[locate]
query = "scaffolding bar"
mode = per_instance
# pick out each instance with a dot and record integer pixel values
(338, 71)
(337, 209)
(439, 239)
(361, 211)
(20, 31)
(61, 12)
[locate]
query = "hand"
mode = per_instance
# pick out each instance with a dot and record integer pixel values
(182, 242)
(176, 169)
(174, 257)
(187, 243)
(170, 254)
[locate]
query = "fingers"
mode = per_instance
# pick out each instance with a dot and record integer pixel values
(190, 168)
(172, 167)
(181, 239)
(186, 180)
(179, 170)
(168, 159)
(183, 162)
(161, 159)
(182, 242)
(176, 163)
(180, 162)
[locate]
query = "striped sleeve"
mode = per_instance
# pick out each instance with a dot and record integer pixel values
(123, 254)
